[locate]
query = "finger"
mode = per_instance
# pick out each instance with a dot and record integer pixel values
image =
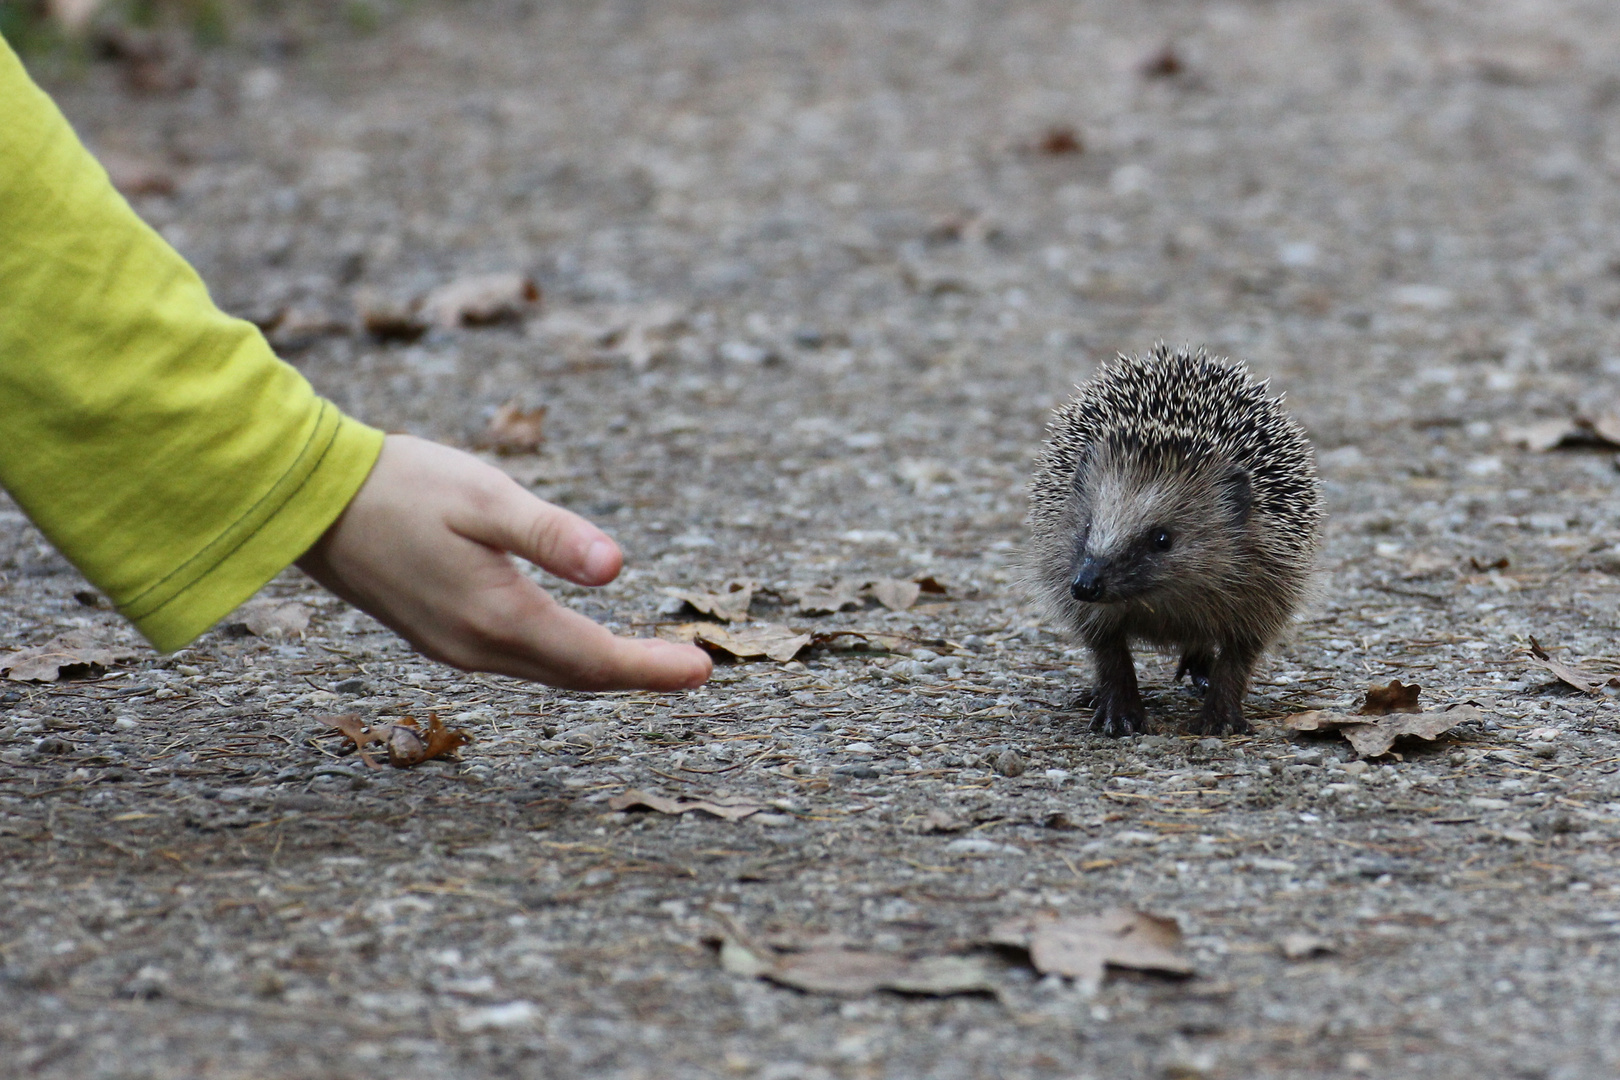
(507, 517)
(567, 649)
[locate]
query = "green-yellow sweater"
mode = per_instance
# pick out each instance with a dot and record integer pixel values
(155, 440)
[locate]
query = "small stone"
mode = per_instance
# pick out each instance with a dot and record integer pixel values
(1356, 768)
(859, 772)
(1010, 763)
(351, 686)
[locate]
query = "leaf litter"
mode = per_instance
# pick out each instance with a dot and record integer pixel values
(404, 740)
(730, 809)
(1539, 658)
(844, 972)
(67, 656)
(1397, 715)
(1083, 947)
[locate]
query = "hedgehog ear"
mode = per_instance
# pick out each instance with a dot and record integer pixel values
(1237, 493)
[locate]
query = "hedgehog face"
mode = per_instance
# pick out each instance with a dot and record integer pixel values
(1154, 527)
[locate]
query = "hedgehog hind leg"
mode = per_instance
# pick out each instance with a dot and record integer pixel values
(1119, 702)
(1195, 664)
(1222, 712)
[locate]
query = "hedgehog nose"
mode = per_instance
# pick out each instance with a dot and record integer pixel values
(1088, 580)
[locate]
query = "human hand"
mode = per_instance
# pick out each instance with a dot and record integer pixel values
(423, 546)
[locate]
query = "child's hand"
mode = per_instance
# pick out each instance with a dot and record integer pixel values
(423, 547)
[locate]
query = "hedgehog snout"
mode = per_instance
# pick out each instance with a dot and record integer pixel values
(1090, 579)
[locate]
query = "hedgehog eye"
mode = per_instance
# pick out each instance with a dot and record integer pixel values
(1162, 540)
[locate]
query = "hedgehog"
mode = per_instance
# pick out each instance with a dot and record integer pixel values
(1174, 503)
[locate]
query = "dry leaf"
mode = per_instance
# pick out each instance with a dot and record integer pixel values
(1564, 673)
(828, 601)
(300, 327)
(1373, 738)
(270, 619)
(844, 640)
(1395, 697)
(729, 604)
(774, 642)
(892, 594)
(135, 175)
(388, 318)
(1303, 947)
(855, 973)
(69, 656)
(515, 430)
(405, 742)
(480, 300)
(729, 809)
(1059, 141)
(940, 820)
(1599, 428)
(1082, 947)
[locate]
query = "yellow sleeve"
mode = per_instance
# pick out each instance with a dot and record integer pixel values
(156, 441)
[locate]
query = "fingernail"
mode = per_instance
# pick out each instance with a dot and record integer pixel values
(600, 558)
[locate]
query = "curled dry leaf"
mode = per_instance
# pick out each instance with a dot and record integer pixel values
(842, 972)
(1374, 738)
(480, 300)
(1590, 428)
(405, 742)
(843, 596)
(1083, 947)
(515, 429)
(69, 656)
(729, 809)
(1059, 141)
(846, 640)
(269, 619)
(767, 640)
(388, 318)
(1561, 671)
(1396, 697)
(729, 604)
(892, 594)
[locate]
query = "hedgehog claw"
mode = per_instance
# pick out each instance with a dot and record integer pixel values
(1220, 722)
(1113, 721)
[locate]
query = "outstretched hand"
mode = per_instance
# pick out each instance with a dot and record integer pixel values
(424, 545)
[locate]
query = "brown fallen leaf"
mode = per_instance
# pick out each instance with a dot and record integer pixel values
(1590, 428)
(772, 641)
(405, 742)
(68, 656)
(1059, 141)
(1561, 671)
(1082, 947)
(1164, 64)
(293, 328)
(480, 300)
(840, 972)
(1395, 697)
(729, 604)
(892, 594)
(269, 619)
(734, 809)
(515, 429)
(846, 640)
(1303, 947)
(388, 318)
(819, 600)
(134, 175)
(1374, 738)
(940, 820)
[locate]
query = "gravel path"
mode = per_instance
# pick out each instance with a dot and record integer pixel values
(814, 276)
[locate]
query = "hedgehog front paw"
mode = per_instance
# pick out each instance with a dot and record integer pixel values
(1114, 719)
(1219, 721)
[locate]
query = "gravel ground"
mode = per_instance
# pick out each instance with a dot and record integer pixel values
(815, 274)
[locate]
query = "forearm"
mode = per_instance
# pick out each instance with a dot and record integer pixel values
(154, 440)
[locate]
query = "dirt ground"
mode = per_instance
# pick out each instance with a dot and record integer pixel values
(814, 275)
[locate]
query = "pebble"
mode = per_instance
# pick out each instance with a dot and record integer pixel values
(1010, 763)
